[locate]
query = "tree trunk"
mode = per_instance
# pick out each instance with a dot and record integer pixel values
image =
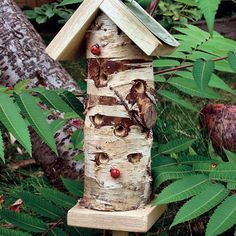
(120, 114)
(22, 56)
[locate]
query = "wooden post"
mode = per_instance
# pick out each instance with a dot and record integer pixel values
(120, 114)
(120, 233)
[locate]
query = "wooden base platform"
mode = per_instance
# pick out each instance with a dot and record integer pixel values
(140, 220)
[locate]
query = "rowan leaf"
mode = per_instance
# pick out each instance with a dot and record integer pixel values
(192, 159)
(190, 87)
(57, 125)
(232, 60)
(202, 72)
(224, 172)
(14, 123)
(169, 173)
(223, 218)
(11, 232)
(53, 100)
(36, 118)
(177, 99)
(73, 186)
(41, 206)
(231, 185)
(201, 203)
(59, 198)
(57, 232)
(183, 189)
(74, 102)
(209, 9)
(176, 145)
(24, 221)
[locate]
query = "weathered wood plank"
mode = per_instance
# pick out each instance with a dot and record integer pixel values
(130, 25)
(140, 220)
(65, 45)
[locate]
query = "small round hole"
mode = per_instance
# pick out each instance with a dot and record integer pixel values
(139, 87)
(101, 158)
(103, 79)
(120, 131)
(98, 119)
(134, 158)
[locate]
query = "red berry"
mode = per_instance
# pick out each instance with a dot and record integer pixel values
(95, 49)
(115, 173)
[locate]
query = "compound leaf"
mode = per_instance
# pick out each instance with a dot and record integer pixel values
(183, 189)
(223, 218)
(201, 203)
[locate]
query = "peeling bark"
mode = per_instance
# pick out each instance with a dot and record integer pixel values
(22, 56)
(120, 114)
(219, 124)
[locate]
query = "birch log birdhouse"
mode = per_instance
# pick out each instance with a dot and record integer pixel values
(119, 39)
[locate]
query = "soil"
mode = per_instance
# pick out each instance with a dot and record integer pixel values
(226, 26)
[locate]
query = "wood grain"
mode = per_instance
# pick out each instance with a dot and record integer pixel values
(130, 25)
(140, 220)
(65, 46)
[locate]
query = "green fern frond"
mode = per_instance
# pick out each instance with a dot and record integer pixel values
(14, 123)
(183, 189)
(224, 172)
(59, 198)
(24, 221)
(1, 148)
(36, 118)
(11, 232)
(169, 173)
(176, 145)
(223, 218)
(41, 206)
(73, 186)
(201, 203)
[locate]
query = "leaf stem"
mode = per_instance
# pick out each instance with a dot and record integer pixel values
(178, 68)
(54, 225)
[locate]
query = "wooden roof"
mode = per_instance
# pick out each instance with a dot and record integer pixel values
(142, 29)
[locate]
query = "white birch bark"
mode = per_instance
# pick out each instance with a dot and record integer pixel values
(119, 116)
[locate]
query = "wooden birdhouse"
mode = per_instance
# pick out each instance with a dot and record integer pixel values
(120, 40)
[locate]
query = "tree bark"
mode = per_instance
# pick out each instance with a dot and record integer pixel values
(219, 124)
(120, 114)
(22, 56)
